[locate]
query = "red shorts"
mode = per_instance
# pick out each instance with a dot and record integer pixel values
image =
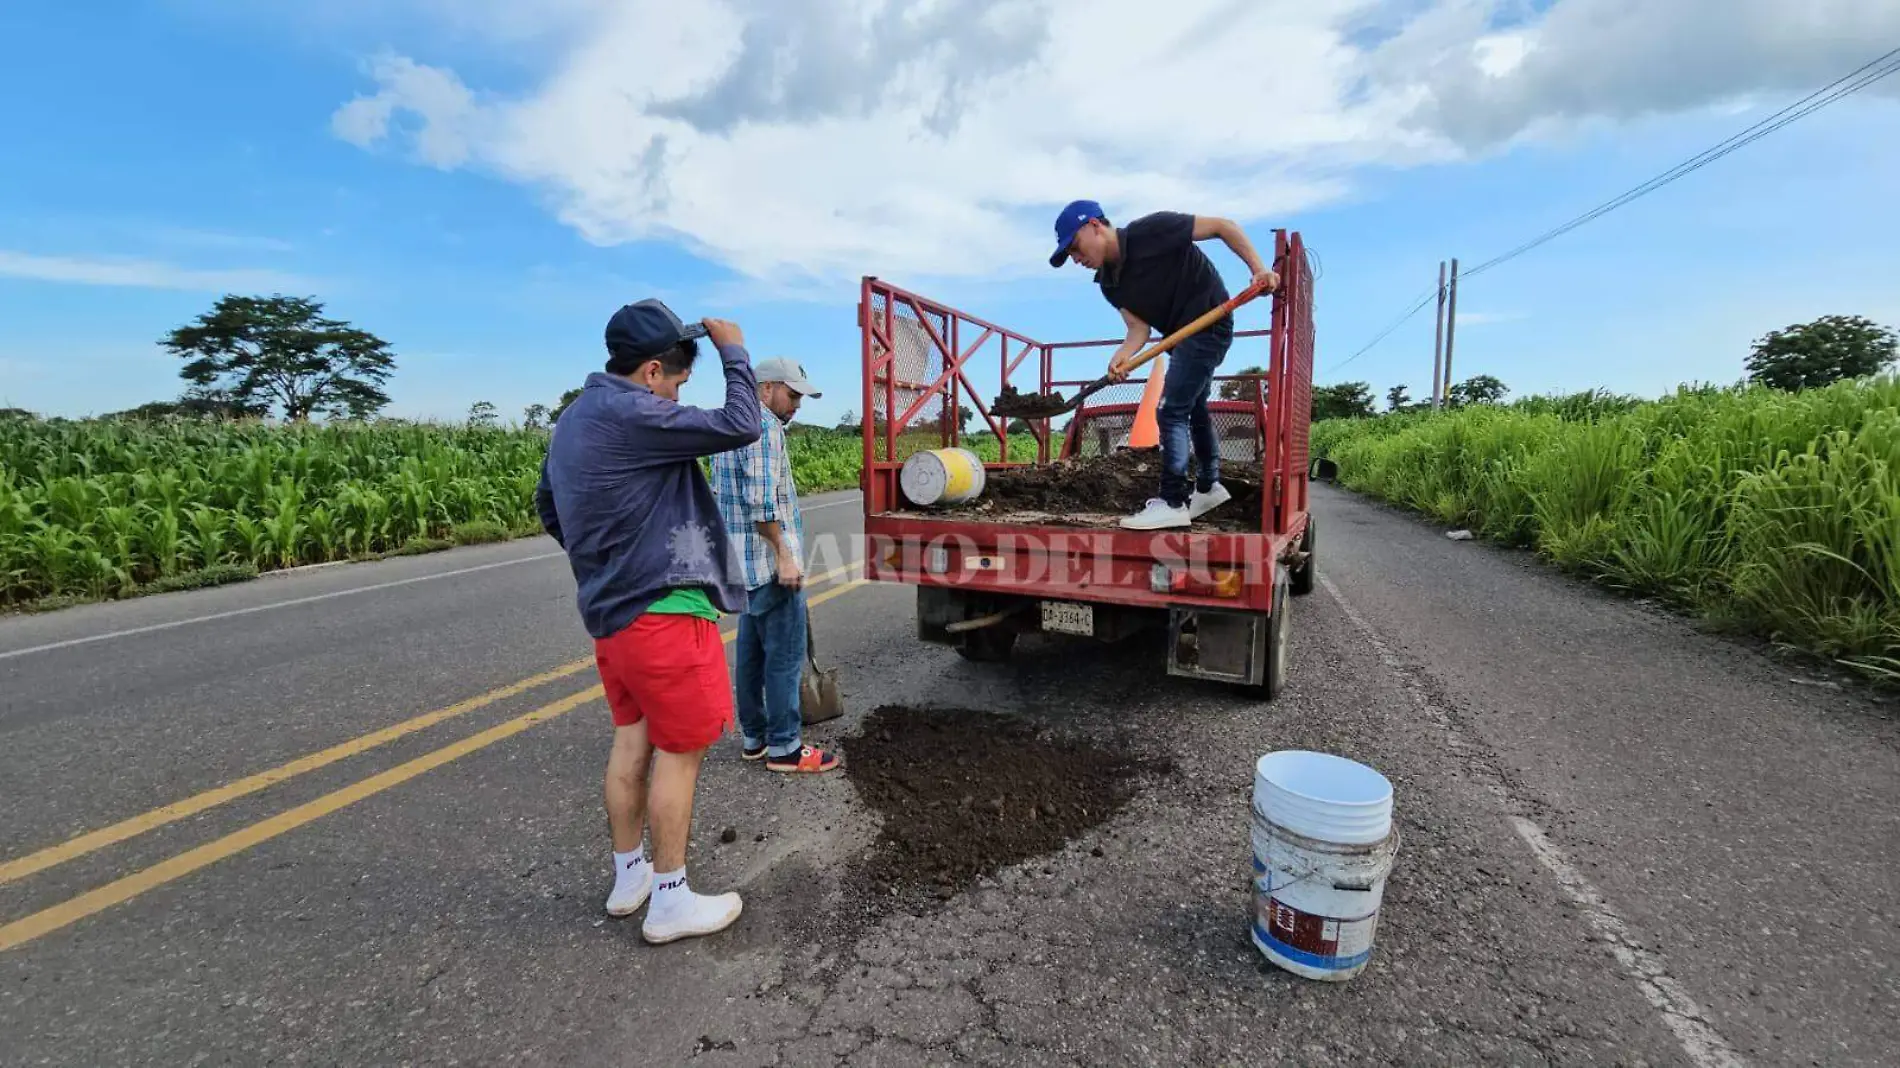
(669, 670)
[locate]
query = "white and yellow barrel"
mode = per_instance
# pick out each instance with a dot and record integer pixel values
(942, 476)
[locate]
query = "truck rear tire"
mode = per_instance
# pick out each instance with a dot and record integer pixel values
(1279, 636)
(1304, 574)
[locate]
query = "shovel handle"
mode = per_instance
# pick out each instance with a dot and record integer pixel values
(1206, 319)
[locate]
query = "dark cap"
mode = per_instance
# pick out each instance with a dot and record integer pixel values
(648, 328)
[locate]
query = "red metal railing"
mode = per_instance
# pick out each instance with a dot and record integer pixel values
(923, 360)
(919, 364)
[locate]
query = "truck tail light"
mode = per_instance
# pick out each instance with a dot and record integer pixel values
(1216, 582)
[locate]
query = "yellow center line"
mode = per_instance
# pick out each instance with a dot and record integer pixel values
(124, 889)
(93, 841)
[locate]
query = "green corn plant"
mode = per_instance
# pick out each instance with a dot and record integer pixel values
(164, 539)
(209, 527)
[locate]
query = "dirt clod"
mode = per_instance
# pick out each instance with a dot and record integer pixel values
(1117, 483)
(1011, 404)
(1036, 794)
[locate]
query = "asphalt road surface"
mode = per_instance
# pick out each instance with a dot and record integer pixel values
(351, 816)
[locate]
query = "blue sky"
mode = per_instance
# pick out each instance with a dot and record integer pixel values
(162, 154)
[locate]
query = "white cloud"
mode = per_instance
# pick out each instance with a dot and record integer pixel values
(1628, 59)
(804, 142)
(144, 274)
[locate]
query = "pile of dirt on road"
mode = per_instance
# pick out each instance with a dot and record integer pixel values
(964, 794)
(1115, 484)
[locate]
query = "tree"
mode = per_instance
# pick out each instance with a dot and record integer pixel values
(1478, 389)
(566, 399)
(535, 416)
(1344, 400)
(1831, 348)
(1242, 389)
(195, 404)
(481, 413)
(849, 421)
(1398, 398)
(263, 352)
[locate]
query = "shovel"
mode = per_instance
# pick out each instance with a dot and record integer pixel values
(1012, 404)
(818, 697)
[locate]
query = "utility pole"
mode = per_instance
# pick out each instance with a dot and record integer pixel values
(1438, 342)
(1451, 325)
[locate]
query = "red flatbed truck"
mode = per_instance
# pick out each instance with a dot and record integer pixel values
(985, 575)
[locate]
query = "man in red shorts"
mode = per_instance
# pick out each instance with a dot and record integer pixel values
(622, 492)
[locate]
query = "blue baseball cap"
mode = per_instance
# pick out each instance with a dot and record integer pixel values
(648, 328)
(1073, 218)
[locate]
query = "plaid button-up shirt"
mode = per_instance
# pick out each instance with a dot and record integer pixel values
(754, 485)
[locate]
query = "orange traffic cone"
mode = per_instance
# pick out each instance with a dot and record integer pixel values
(1147, 432)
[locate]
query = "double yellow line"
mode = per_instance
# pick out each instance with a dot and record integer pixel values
(124, 889)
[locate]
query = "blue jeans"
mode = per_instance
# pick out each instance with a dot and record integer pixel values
(1182, 416)
(771, 661)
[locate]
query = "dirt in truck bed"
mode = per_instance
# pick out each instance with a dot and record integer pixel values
(1096, 491)
(966, 793)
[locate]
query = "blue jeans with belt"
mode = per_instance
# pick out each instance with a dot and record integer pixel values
(771, 661)
(1182, 417)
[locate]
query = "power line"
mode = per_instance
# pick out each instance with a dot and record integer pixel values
(1849, 84)
(1846, 85)
(1383, 334)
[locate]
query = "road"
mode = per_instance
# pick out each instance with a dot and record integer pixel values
(350, 816)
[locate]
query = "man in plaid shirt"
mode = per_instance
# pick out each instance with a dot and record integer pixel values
(759, 505)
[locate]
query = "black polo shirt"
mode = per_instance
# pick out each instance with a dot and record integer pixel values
(1163, 278)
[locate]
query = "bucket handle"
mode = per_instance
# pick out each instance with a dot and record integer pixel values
(1397, 838)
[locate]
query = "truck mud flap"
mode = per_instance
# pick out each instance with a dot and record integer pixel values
(1208, 643)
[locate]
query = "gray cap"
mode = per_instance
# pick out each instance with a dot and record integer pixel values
(792, 373)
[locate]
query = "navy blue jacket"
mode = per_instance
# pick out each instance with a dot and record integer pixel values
(621, 490)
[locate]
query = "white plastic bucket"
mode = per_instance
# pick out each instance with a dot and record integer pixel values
(942, 476)
(1323, 843)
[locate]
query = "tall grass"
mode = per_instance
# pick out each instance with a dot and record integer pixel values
(1775, 512)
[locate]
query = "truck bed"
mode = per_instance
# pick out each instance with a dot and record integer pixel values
(1093, 493)
(1224, 520)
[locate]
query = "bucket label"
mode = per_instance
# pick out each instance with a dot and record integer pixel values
(1318, 941)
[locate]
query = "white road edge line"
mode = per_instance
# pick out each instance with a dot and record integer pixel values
(293, 602)
(828, 504)
(1680, 1012)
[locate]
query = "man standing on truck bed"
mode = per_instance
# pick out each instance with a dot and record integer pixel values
(1153, 272)
(622, 493)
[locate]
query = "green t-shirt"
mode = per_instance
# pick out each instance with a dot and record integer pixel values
(686, 601)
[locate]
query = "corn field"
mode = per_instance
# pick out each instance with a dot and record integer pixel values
(99, 509)
(1773, 513)
(109, 508)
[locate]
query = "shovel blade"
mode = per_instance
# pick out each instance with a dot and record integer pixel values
(818, 698)
(1030, 406)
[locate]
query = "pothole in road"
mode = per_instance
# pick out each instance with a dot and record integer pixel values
(964, 794)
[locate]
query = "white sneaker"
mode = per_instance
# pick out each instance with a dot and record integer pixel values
(699, 914)
(1199, 504)
(1158, 515)
(629, 895)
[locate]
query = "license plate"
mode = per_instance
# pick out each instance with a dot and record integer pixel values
(1066, 618)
